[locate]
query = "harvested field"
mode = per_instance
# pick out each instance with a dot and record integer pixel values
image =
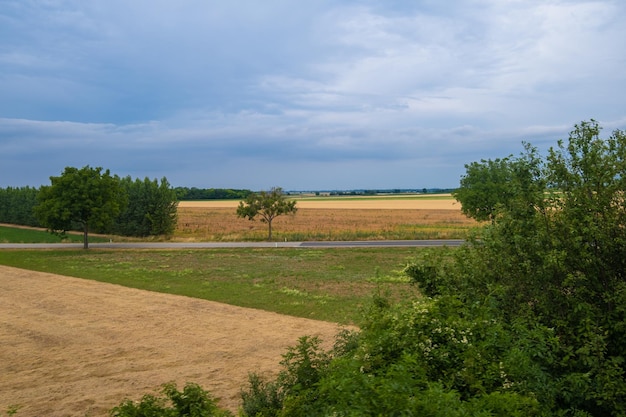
(443, 202)
(74, 347)
(199, 222)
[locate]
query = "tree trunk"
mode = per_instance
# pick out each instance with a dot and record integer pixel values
(85, 238)
(269, 223)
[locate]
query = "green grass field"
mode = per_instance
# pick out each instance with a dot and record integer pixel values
(23, 235)
(324, 284)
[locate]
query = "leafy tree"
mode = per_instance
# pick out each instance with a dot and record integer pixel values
(484, 186)
(490, 185)
(87, 197)
(151, 209)
(267, 205)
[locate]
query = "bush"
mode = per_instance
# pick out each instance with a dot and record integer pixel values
(433, 357)
(192, 401)
(303, 365)
(262, 398)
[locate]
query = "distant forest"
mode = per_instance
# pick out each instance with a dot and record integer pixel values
(193, 193)
(390, 191)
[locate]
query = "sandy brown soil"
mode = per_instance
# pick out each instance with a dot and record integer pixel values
(73, 347)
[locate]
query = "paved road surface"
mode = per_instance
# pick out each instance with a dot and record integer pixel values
(212, 245)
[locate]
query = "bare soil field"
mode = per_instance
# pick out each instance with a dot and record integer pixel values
(73, 347)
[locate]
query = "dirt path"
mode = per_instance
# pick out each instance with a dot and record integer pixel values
(73, 347)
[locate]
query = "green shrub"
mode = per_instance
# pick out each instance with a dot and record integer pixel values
(302, 368)
(261, 398)
(192, 401)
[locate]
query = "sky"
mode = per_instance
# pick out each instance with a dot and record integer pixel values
(303, 95)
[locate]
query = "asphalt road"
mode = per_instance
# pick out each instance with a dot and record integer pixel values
(213, 245)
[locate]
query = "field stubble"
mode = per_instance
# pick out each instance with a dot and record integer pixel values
(332, 220)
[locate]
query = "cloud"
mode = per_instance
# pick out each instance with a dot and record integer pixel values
(391, 93)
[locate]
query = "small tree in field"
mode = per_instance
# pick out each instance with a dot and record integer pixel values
(87, 197)
(268, 205)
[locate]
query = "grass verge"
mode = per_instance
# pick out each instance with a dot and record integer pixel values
(10, 234)
(324, 284)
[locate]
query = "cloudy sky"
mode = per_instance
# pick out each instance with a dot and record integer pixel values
(306, 95)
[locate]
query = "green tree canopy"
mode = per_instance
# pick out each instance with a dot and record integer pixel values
(491, 185)
(16, 205)
(151, 210)
(88, 197)
(484, 186)
(267, 205)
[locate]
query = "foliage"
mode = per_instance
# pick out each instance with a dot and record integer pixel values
(484, 186)
(151, 209)
(435, 358)
(554, 258)
(146, 208)
(267, 205)
(492, 185)
(261, 398)
(192, 401)
(16, 205)
(193, 193)
(86, 196)
(302, 370)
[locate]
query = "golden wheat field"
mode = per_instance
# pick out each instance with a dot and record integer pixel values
(329, 219)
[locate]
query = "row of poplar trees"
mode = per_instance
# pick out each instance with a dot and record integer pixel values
(92, 200)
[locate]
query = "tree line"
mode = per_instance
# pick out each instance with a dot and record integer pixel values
(92, 200)
(193, 193)
(16, 206)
